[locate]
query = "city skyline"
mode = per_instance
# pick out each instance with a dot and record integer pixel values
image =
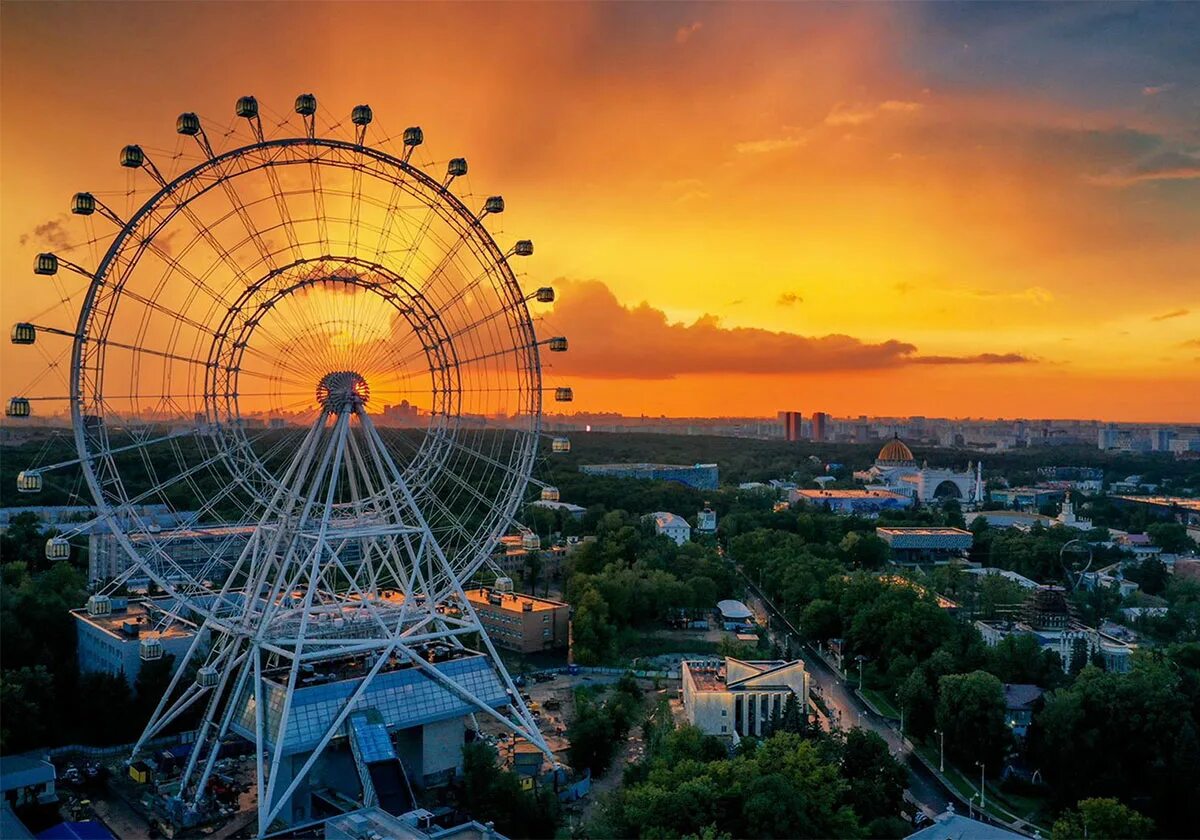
(924, 210)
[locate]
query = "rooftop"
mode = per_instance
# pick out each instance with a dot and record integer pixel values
(849, 494)
(1021, 695)
(734, 609)
(151, 616)
(1164, 501)
(922, 531)
(665, 519)
(952, 826)
(511, 600)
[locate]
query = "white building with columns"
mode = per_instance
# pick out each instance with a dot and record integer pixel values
(737, 698)
(896, 470)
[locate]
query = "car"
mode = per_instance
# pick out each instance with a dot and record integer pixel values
(920, 818)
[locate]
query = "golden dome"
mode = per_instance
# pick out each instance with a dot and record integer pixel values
(895, 452)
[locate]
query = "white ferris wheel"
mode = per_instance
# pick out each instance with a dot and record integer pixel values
(225, 366)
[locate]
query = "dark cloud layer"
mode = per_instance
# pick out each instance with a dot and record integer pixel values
(612, 341)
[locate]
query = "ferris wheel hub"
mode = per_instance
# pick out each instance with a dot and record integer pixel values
(343, 390)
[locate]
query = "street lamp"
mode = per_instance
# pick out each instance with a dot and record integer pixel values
(901, 705)
(861, 659)
(941, 750)
(982, 789)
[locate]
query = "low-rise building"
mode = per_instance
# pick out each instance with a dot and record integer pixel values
(700, 476)
(671, 525)
(524, 623)
(926, 545)
(112, 642)
(738, 698)
(1021, 701)
(869, 501)
(735, 615)
(951, 826)
(706, 521)
(374, 823)
(26, 780)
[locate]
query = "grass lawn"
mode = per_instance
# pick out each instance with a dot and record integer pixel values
(1025, 807)
(880, 701)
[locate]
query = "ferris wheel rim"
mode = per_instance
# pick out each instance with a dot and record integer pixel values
(455, 210)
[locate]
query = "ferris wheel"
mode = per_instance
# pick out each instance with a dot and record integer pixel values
(305, 389)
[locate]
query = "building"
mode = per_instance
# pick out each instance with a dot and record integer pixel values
(671, 525)
(1020, 580)
(112, 642)
(1047, 617)
(407, 727)
(926, 545)
(739, 698)
(706, 521)
(573, 511)
(820, 427)
(1027, 498)
(735, 615)
(700, 476)
(1021, 702)
(375, 823)
(951, 826)
(524, 623)
(868, 502)
(25, 780)
(792, 423)
(207, 551)
(896, 470)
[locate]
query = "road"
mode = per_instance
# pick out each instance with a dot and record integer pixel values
(848, 711)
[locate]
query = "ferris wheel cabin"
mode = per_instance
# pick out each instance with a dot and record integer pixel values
(29, 482)
(24, 333)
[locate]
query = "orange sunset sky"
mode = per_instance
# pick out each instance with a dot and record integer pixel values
(947, 210)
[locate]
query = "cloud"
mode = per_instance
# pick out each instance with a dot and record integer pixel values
(789, 299)
(1033, 294)
(977, 359)
(1191, 342)
(1155, 90)
(768, 145)
(851, 115)
(612, 341)
(1171, 165)
(684, 33)
(1166, 316)
(52, 234)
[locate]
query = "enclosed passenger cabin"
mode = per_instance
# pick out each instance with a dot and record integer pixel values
(150, 649)
(206, 677)
(494, 204)
(545, 295)
(83, 204)
(188, 124)
(563, 395)
(414, 136)
(45, 264)
(99, 605)
(132, 157)
(29, 482)
(306, 104)
(17, 407)
(558, 344)
(57, 548)
(549, 494)
(530, 541)
(457, 167)
(523, 248)
(247, 106)
(362, 115)
(23, 333)
(503, 584)
(560, 444)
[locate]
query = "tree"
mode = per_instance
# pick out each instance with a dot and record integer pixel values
(916, 699)
(865, 551)
(876, 780)
(592, 635)
(1130, 735)
(491, 794)
(971, 712)
(1102, 819)
(820, 621)
(1171, 537)
(792, 720)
